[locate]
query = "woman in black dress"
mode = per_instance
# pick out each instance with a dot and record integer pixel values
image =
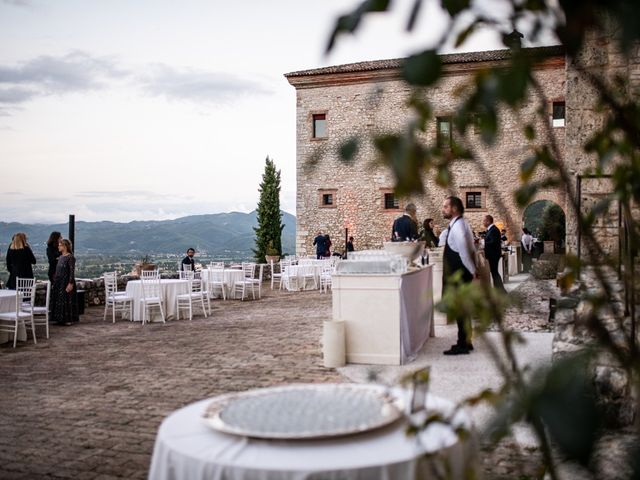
(53, 253)
(20, 259)
(64, 286)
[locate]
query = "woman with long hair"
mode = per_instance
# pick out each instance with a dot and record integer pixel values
(53, 253)
(20, 259)
(64, 286)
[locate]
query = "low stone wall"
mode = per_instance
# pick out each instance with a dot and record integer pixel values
(616, 394)
(94, 294)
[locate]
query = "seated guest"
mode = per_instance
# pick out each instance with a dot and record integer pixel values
(187, 262)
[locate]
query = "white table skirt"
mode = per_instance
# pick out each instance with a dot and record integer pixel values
(171, 288)
(513, 264)
(231, 276)
(8, 304)
(298, 271)
(187, 449)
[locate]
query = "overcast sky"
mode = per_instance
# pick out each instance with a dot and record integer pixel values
(155, 109)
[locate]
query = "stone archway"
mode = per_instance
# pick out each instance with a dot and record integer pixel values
(547, 222)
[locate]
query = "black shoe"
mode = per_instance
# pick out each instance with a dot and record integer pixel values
(468, 347)
(457, 350)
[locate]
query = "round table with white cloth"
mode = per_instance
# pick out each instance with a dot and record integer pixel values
(230, 275)
(171, 288)
(186, 448)
(8, 304)
(294, 276)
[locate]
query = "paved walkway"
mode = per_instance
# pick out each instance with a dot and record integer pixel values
(88, 402)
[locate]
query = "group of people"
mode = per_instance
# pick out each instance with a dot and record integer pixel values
(459, 255)
(20, 259)
(323, 245)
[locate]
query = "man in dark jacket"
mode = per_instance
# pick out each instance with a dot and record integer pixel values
(321, 245)
(405, 228)
(493, 251)
(188, 263)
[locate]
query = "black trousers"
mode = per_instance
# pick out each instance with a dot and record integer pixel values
(451, 264)
(495, 274)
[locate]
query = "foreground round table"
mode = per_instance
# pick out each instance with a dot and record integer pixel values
(186, 448)
(171, 288)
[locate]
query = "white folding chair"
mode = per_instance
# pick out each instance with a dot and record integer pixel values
(151, 297)
(216, 282)
(149, 274)
(40, 314)
(325, 278)
(118, 301)
(194, 293)
(240, 286)
(186, 274)
(10, 321)
(276, 275)
(258, 281)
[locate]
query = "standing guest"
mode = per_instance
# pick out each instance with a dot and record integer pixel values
(53, 253)
(327, 246)
(320, 243)
(188, 263)
(527, 249)
(405, 228)
(428, 235)
(20, 259)
(503, 237)
(64, 286)
(493, 251)
(350, 247)
(459, 255)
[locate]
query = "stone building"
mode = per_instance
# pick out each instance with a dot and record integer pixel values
(337, 103)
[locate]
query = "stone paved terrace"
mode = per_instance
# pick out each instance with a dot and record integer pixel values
(87, 403)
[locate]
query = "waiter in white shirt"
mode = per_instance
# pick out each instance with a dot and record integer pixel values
(459, 256)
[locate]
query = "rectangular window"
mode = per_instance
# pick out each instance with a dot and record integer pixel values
(473, 200)
(558, 114)
(391, 202)
(444, 132)
(319, 125)
(327, 197)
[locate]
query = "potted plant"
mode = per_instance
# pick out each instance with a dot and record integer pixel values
(271, 255)
(144, 263)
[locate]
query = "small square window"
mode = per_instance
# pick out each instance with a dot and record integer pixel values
(558, 114)
(391, 202)
(319, 125)
(444, 132)
(327, 199)
(473, 200)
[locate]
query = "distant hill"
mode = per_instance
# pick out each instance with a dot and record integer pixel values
(216, 234)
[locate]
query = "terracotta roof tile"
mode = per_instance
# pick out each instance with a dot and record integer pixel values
(451, 58)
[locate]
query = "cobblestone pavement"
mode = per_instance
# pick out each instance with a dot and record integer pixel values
(87, 403)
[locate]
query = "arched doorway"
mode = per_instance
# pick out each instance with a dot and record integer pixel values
(547, 222)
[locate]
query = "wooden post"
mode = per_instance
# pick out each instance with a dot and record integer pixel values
(72, 231)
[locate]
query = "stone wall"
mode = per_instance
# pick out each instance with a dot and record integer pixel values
(379, 104)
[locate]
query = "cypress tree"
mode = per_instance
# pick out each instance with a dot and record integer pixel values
(269, 229)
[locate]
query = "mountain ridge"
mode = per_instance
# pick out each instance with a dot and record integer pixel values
(214, 233)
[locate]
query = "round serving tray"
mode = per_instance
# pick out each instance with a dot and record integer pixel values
(304, 411)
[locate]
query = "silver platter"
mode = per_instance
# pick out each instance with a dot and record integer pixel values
(304, 411)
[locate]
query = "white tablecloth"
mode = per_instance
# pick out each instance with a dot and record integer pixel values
(187, 449)
(8, 304)
(171, 288)
(298, 272)
(513, 264)
(231, 276)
